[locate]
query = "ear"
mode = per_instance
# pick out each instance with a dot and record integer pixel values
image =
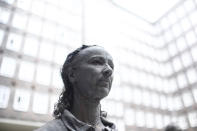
(71, 75)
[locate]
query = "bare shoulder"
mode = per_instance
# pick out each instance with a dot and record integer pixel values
(54, 125)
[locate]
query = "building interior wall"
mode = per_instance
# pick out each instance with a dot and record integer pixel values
(155, 73)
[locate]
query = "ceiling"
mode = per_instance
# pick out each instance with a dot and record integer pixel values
(149, 10)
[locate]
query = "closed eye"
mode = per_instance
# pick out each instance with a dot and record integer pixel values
(97, 62)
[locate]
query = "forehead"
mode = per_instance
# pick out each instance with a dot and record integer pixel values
(93, 51)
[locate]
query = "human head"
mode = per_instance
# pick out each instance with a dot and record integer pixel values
(72, 61)
(172, 128)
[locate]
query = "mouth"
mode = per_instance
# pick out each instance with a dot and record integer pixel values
(104, 83)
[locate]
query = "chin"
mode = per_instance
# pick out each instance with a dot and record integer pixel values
(102, 94)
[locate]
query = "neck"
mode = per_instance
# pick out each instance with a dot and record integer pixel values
(87, 111)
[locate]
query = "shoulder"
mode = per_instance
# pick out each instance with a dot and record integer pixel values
(54, 125)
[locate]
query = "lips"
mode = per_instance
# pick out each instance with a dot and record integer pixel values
(104, 83)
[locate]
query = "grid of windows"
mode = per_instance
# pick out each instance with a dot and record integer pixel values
(181, 44)
(35, 38)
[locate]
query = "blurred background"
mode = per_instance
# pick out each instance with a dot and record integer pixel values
(153, 43)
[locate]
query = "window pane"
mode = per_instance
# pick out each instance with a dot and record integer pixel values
(180, 11)
(121, 125)
(195, 94)
(191, 38)
(172, 49)
(8, 66)
(4, 15)
(193, 17)
(71, 37)
(159, 121)
(163, 55)
(125, 76)
(174, 119)
(4, 96)
(193, 119)
(14, 42)
(182, 122)
(46, 51)
(163, 102)
(167, 69)
(119, 109)
(38, 7)
(60, 54)
(49, 30)
(167, 120)
(31, 46)
(172, 85)
(127, 94)
(19, 20)
(24, 4)
(137, 96)
(21, 100)
(151, 80)
(68, 19)
(185, 24)
(118, 93)
(150, 120)
(129, 117)
(1, 36)
(155, 100)
(178, 104)
(192, 76)
(26, 71)
(177, 64)
(54, 2)
(57, 80)
(165, 23)
(186, 58)
(170, 103)
(143, 77)
(187, 99)
(140, 118)
(168, 36)
(52, 12)
(34, 25)
(146, 98)
(61, 34)
(109, 106)
(181, 44)
(40, 103)
(194, 53)
(182, 81)
(176, 30)
(172, 17)
(189, 5)
(72, 6)
(158, 84)
(9, 1)
(43, 75)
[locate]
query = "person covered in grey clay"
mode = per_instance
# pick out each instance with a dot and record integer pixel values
(87, 75)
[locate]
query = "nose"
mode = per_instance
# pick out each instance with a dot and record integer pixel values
(107, 71)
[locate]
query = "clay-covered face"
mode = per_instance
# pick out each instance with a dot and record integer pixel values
(94, 73)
